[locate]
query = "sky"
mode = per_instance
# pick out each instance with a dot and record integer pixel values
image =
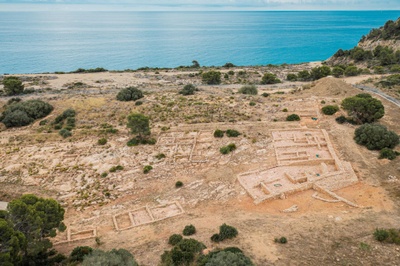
(195, 5)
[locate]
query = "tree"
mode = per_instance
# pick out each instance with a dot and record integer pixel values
(375, 137)
(351, 71)
(330, 109)
(195, 64)
(363, 108)
(139, 124)
(79, 253)
(212, 77)
(120, 257)
(19, 114)
(291, 77)
(337, 71)
(320, 72)
(293, 117)
(129, 94)
(303, 75)
(12, 243)
(189, 89)
(224, 258)
(13, 86)
(249, 89)
(33, 220)
(270, 78)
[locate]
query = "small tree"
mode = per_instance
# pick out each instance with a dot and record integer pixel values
(13, 86)
(337, 71)
(330, 109)
(189, 89)
(139, 124)
(293, 117)
(291, 77)
(249, 89)
(270, 78)
(129, 94)
(212, 77)
(224, 258)
(375, 137)
(120, 257)
(363, 108)
(320, 72)
(189, 230)
(303, 75)
(351, 71)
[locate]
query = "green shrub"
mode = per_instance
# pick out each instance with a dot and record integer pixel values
(281, 240)
(291, 77)
(191, 245)
(102, 141)
(341, 119)
(337, 71)
(43, 122)
(160, 156)
(293, 117)
(189, 89)
(137, 103)
(104, 174)
(252, 103)
(225, 258)
(351, 71)
(178, 184)
(387, 153)
(379, 70)
(265, 94)
(395, 69)
(79, 253)
(65, 133)
(147, 169)
(215, 238)
(320, 72)
(227, 232)
(116, 168)
(212, 77)
(249, 89)
(16, 118)
(129, 94)
(330, 109)
(57, 126)
(270, 78)
(120, 257)
(174, 239)
(13, 100)
(285, 110)
(189, 230)
(232, 133)
(303, 75)
(227, 149)
(363, 108)
(375, 137)
(218, 133)
(381, 234)
(13, 86)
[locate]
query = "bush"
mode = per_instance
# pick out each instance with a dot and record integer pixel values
(341, 119)
(375, 137)
(227, 149)
(337, 71)
(129, 94)
(320, 72)
(116, 168)
(139, 124)
(215, 238)
(120, 257)
(252, 103)
(178, 184)
(379, 70)
(270, 78)
(137, 103)
(291, 77)
(13, 86)
(79, 253)
(387, 153)
(102, 141)
(232, 133)
(249, 89)
(265, 94)
(174, 239)
(160, 156)
(330, 109)
(65, 133)
(293, 117)
(363, 108)
(303, 75)
(218, 133)
(16, 118)
(381, 234)
(281, 240)
(189, 89)
(351, 71)
(224, 258)
(227, 232)
(212, 77)
(189, 230)
(147, 169)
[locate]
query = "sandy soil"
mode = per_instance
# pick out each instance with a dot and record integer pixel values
(36, 159)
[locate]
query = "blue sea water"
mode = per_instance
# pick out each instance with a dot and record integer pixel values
(35, 42)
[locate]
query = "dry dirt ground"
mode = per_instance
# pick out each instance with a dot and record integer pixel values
(35, 159)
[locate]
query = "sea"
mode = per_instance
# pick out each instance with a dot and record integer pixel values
(38, 42)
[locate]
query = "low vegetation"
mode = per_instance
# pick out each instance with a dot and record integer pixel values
(293, 117)
(249, 89)
(270, 78)
(12, 86)
(189, 230)
(225, 232)
(189, 89)
(330, 109)
(211, 77)
(129, 94)
(227, 149)
(391, 236)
